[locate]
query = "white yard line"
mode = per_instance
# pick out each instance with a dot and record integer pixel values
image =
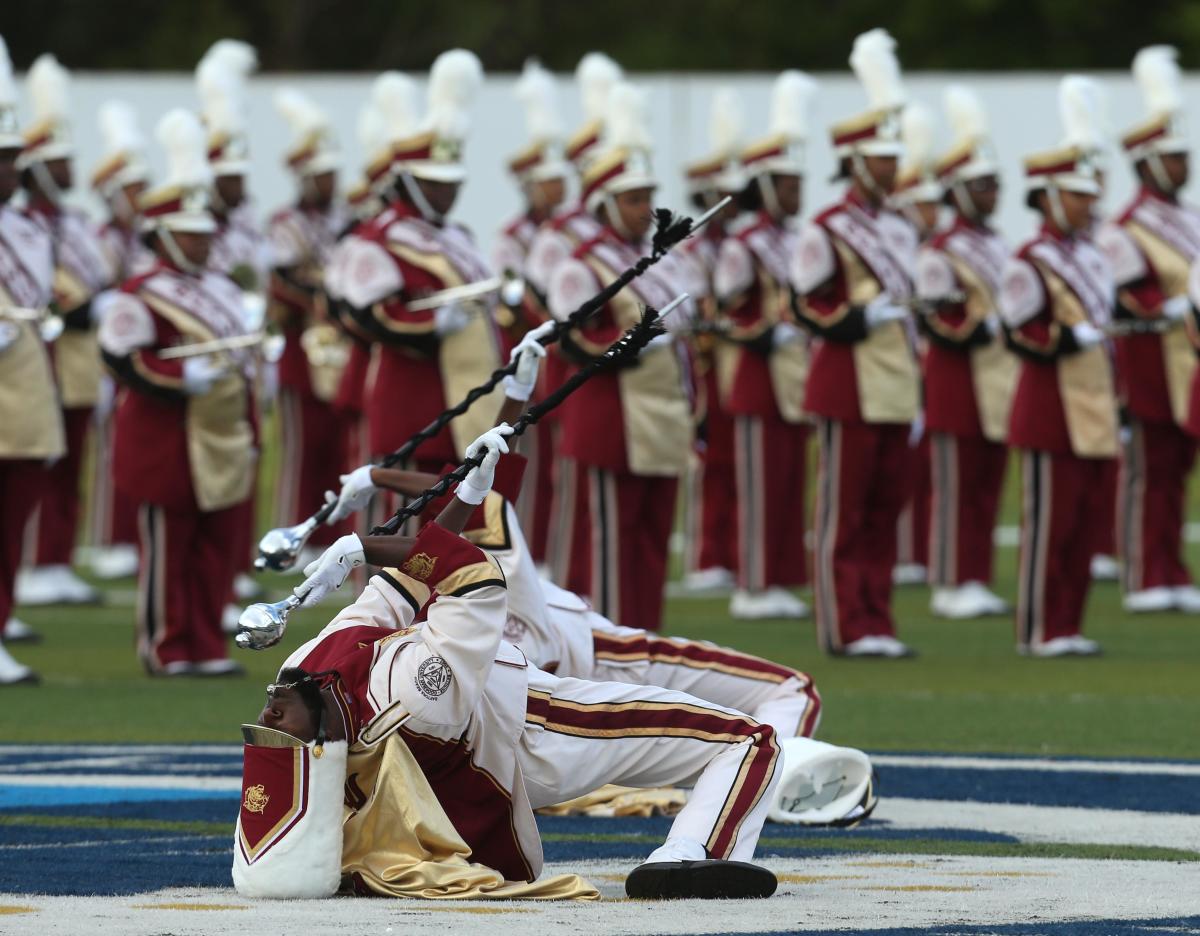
(966, 762)
(130, 781)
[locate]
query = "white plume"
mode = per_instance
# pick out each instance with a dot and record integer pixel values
(964, 111)
(454, 83)
(1156, 70)
(221, 84)
(1083, 111)
(301, 112)
(874, 61)
(182, 138)
(917, 131)
(393, 106)
(370, 129)
(725, 121)
(537, 91)
(49, 89)
(627, 123)
(791, 98)
(119, 128)
(596, 74)
(8, 87)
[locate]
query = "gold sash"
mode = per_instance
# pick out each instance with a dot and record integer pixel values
(466, 358)
(400, 842)
(220, 440)
(787, 365)
(1179, 357)
(993, 367)
(1085, 379)
(76, 352)
(31, 423)
(884, 364)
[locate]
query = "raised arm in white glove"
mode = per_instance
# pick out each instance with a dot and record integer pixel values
(478, 482)
(528, 354)
(785, 333)
(883, 309)
(201, 372)
(449, 319)
(1087, 335)
(323, 575)
(357, 491)
(1177, 308)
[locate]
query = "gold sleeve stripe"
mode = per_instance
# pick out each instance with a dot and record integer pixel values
(470, 578)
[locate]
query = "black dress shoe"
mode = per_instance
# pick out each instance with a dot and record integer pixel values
(699, 880)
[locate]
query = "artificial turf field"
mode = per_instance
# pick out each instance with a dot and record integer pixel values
(1020, 796)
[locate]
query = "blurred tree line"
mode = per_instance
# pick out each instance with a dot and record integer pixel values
(644, 35)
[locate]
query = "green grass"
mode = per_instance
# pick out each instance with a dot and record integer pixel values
(967, 691)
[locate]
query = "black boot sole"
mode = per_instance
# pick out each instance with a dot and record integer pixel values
(700, 880)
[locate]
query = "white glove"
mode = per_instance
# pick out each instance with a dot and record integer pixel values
(660, 341)
(785, 333)
(1177, 308)
(9, 333)
(1087, 335)
(449, 319)
(528, 354)
(357, 491)
(882, 309)
(323, 575)
(478, 482)
(201, 372)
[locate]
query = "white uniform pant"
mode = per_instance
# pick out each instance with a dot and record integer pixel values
(580, 735)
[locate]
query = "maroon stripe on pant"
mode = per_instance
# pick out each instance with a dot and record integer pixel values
(660, 650)
(755, 777)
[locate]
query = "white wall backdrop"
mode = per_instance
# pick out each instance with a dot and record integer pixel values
(1022, 107)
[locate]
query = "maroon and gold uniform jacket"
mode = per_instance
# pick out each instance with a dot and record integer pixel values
(125, 251)
(175, 449)
(1150, 247)
(81, 270)
(845, 258)
(754, 376)
(414, 372)
(419, 657)
(637, 419)
(31, 424)
(1065, 399)
(314, 350)
(240, 250)
(969, 372)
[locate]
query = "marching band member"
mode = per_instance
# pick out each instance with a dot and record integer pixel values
(81, 270)
(1056, 298)
(631, 429)
(916, 206)
(568, 541)
(315, 351)
(969, 373)
(382, 673)
(119, 179)
(239, 250)
(863, 382)
(429, 358)
(186, 442)
(31, 420)
(711, 495)
(1151, 245)
(762, 363)
(541, 171)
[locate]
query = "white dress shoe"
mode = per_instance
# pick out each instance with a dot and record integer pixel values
(222, 667)
(13, 673)
(865, 647)
(229, 619)
(246, 588)
(1074, 645)
(909, 573)
(1186, 598)
(713, 578)
(895, 649)
(114, 562)
(1105, 569)
(53, 584)
(988, 600)
(17, 631)
(757, 606)
(1150, 600)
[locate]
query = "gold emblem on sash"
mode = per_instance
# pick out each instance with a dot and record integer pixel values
(419, 566)
(256, 798)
